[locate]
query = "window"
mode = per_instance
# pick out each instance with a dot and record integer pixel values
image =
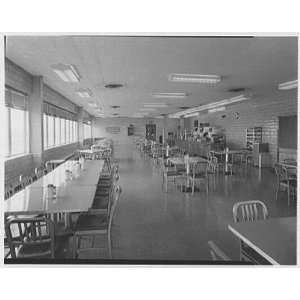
(50, 131)
(67, 131)
(62, 131)
(87, 131)
(16, 118)
(72, 131)
(57, 131)
(76, 131)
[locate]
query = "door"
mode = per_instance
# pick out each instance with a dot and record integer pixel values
(151, 132)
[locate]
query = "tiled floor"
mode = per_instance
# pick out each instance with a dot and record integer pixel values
(152, 224)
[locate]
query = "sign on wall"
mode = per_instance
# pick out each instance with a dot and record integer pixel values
(113, 129)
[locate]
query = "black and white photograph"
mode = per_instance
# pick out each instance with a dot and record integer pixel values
(173, 149)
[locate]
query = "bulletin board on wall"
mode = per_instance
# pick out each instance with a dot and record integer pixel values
(287, 132)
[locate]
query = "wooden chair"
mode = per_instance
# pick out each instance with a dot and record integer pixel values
(249, 211)
(199, 174)
(94, 224)
(216, 253)
(288, 183)
(31, 237)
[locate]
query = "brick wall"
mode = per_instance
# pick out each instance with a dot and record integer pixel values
(264, 115)
(17, 166)
(59, 152)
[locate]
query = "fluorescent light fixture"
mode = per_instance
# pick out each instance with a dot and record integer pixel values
(288, 85)
(169, 95)
(194, 78)
(191, 115)
(221, 108)
(159, 105)
(211, 105)
(84, 93)
(67, 73)
(147, 109)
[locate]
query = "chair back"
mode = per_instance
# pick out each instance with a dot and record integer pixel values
(200, 168)
(281, 172)
(30, 233)
(212, 164)
(113, 204)
(249, 211)
(216, 253)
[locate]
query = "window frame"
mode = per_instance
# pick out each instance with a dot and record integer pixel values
(26, 132)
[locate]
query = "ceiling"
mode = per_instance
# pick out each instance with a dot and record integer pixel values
(143, 64)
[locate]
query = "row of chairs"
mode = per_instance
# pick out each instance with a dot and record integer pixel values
(98, 220)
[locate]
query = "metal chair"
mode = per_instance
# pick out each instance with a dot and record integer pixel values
(31, 237)
(199, 174)
(289, 183)
(249, 211)
(169, 173)
(94, 224)
(216, 253)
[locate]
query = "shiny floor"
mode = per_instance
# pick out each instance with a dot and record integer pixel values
(151, 224)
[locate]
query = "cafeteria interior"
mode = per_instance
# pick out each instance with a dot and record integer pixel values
(150, 150)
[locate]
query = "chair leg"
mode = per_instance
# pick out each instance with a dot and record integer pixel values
(109, 244)
(288, 193)
(74, 246)
(193, 187)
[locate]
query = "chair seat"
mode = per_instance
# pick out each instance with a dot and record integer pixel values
(198, 176)
(104, 185)
(89, 222)
(100, 202)
(37, 250)
(172, 173)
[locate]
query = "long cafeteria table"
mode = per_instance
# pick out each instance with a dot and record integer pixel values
(75, 195)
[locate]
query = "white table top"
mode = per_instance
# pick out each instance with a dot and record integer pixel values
(72, 196)
(34, 200)
(87, 176)
(274, 239)
(181, 161)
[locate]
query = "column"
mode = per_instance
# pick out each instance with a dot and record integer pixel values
(35, 108)
(80, 126)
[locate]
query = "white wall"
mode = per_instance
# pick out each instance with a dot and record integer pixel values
(122, 142)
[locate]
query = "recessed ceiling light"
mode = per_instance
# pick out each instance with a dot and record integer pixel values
(237, 90)
(84, 93)
(194, 78)
(113, 85)
(169, 95)
(288, 85)
(67, 73)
